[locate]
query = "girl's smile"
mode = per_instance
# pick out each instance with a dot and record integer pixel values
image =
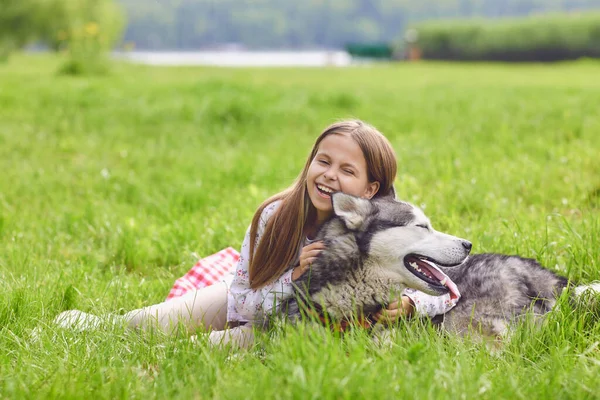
(325, 191)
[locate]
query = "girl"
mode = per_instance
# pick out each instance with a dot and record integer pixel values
(348, 156)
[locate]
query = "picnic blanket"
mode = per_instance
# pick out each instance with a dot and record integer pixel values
(206, 272)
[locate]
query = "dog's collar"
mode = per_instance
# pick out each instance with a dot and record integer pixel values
(347, 324)
(364, 322)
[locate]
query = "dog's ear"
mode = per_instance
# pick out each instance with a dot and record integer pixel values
(352, 210)
(391, 194)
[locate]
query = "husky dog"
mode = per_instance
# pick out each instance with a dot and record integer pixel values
(376, 248)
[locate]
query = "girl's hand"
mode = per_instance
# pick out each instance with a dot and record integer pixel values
(395, 311)
(307, 256)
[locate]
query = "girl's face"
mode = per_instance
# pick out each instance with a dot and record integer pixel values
(338, 166)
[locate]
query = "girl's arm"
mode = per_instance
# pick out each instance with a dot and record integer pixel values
(251, 304)
(414, 302)
(426, 305)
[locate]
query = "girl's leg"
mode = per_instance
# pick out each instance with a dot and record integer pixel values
(205, 307)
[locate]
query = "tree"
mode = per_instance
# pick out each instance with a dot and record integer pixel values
(17, 25)
(194, 24)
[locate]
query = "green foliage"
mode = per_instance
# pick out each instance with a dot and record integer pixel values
(194, 24)
(111, 185)
(90, 26)
(17, 24)
(539, 38)
(85, 29)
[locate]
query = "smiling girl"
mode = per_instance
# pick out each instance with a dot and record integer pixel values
(349, 156)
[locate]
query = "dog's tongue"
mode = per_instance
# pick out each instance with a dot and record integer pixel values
(442, 277)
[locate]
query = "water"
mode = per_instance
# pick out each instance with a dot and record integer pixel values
(240, 58)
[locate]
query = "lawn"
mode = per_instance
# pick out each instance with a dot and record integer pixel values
(111, 187)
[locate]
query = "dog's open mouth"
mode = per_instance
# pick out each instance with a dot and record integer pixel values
(426, 270)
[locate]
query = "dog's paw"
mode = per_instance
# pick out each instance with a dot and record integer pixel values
(592, 288)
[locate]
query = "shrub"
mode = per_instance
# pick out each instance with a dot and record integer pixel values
(538, 38)
(16, 25)
(86, 30)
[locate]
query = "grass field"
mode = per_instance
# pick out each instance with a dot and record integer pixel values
(111, 187)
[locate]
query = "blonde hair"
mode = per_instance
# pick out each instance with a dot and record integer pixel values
(283, 236)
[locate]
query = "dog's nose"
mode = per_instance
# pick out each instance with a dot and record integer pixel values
(467, 245)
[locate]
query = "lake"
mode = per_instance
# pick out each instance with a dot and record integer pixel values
(317, 58)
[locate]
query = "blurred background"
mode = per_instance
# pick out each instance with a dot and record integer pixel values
(117, 176)
(312, 32)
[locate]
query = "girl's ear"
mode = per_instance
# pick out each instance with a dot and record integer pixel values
(371, 190)
(353, 211)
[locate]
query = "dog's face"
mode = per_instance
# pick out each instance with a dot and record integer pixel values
(397, 237)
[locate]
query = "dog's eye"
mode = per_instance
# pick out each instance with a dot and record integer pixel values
(423, 226)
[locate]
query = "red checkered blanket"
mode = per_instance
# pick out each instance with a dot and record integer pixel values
(205, 272)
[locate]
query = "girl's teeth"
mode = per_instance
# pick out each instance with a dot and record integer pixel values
(324, 189)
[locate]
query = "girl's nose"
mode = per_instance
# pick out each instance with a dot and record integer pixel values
(329, 175)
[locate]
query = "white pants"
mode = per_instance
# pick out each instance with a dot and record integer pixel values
(206, 307)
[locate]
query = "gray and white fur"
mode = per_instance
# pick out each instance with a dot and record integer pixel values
(496, 290)
(373, 247)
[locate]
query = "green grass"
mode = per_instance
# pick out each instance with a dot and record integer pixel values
(110, 186)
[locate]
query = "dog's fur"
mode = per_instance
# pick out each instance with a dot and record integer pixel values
(498, 289)
(370, 248)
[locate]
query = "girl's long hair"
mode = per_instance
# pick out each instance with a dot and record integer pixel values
(284, 233)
